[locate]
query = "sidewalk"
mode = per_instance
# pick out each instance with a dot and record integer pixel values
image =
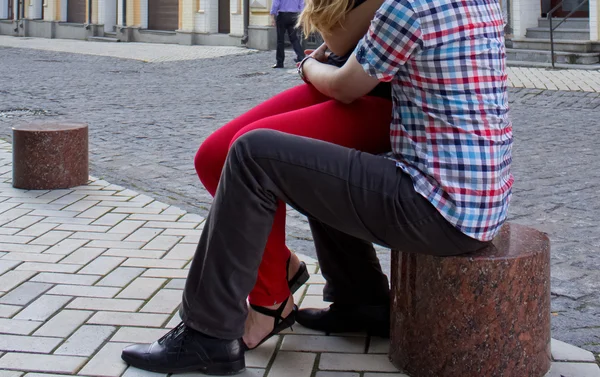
(86, 271)
(533, 78)
(147, 52)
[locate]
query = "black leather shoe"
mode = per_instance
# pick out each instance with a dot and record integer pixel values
(278, 66)
(186, 350)
(298, 60)
(373, 319)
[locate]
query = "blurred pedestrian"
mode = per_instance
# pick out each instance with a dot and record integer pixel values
(284, 14)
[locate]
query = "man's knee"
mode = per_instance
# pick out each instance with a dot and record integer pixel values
(248, 144)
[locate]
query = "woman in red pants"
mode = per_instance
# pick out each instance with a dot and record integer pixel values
(302, 111)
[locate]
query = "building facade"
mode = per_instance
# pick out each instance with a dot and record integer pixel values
(575, 36)
(247, 22)
(209, 22)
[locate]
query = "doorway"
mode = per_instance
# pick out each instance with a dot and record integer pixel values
(224, 17)
(76, 11)
(10, 15)
(568, 6)
(163, 15)
(110, 15)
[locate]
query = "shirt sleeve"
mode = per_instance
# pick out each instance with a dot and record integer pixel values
(393, 37)
(275, 7)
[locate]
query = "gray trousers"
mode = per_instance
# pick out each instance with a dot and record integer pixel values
(352, 199)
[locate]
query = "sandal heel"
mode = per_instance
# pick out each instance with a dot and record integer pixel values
(299, 279)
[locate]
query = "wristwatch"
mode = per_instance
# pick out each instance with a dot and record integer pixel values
(301, 69)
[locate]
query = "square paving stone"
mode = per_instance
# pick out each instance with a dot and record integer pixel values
(10, 373)
(112, 304)
(141, 288)
(85, 341)
(120, 277)
(41, 363)
(84, 291)
(129, 319)
(107, 362)
(43, 308)
(165, 301)
(562, 351)
(26, 292)
(379, 345)
(18, 327)
(138, 335)
(64, 323)
(28, 343)
(70, 279)
(7, 311)
(314, 302)
(312, 343)
(261, 356)
(292, 364)
(573, 370)
(134, 372)
(356, 362)
(336, 374)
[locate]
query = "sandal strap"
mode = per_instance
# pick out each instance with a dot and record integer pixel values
(275, 313)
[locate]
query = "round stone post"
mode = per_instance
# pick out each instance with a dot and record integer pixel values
(485, 314)
(50, 155)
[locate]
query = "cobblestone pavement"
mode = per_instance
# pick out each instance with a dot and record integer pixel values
(147, 121)
(86, 271)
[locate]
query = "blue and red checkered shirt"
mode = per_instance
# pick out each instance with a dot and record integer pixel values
(450, 130)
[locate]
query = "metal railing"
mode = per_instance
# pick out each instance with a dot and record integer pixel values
(559, 5)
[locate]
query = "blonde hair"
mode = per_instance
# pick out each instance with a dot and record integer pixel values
(323, 15)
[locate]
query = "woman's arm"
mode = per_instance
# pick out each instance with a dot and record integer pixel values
(344, 37)
(344, 84)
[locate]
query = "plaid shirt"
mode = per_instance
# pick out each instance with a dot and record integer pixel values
(450, 130)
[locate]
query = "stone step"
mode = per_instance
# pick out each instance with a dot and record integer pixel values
(526, 64)
(560, 33)
(566, 45)
(543, 56)
(571, 23)
(103, 39)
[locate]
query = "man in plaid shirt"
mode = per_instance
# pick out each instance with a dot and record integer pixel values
(444, 190)
(450, 134)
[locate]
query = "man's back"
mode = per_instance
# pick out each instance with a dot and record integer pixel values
(450, 131)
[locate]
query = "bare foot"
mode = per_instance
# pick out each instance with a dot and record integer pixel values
(259, 325)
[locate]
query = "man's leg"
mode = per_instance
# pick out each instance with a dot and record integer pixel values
(293, 34)
(350, 267)
(354, 283)
(280, 53)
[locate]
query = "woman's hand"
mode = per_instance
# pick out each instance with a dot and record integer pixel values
(320, 54)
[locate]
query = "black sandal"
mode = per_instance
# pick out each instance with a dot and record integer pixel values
(299, 278)
(280, 323)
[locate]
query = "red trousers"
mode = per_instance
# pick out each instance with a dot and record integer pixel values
(304, 111)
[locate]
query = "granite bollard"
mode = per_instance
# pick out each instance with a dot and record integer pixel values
(483, 314)
(50, 155)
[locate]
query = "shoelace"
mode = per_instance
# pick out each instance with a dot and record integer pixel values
(179, 335)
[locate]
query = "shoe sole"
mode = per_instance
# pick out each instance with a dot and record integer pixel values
(220, 369)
